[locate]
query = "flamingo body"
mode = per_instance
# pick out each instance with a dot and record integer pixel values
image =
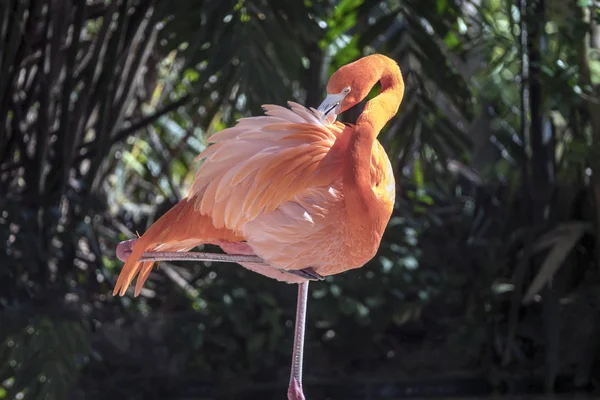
(279, 181)
(276, 183)
(310, 196)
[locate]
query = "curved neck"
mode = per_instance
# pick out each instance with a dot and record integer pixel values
(379, 110)
(358, 180)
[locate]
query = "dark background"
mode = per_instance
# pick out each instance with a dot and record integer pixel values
(487, 280)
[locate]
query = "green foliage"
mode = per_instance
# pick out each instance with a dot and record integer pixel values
(99, 127)
(42, 355)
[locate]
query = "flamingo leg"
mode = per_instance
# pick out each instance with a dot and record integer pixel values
(295, 391)
(199, 256)
(125, 248)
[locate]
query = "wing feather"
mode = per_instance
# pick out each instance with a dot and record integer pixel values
(207, 200)
(262, 163)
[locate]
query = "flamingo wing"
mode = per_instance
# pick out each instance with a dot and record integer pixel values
(263, 162)
(249, 170)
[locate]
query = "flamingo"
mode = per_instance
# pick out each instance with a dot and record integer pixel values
(294, 195)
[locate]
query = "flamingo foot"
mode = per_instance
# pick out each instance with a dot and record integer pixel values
(295, 390)
(124, 249)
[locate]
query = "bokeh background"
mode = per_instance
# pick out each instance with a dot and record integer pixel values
(487, 280)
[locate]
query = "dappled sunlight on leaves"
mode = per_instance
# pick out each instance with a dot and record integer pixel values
(99, 129)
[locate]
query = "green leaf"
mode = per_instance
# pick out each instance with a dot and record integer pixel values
(441, 6)
(563, 239)
(452, 40)
(418, 174)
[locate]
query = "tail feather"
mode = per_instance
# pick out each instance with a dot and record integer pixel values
(179, 229)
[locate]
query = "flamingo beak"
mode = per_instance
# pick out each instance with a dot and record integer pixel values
(331, 106)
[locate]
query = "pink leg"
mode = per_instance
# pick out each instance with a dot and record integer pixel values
(295, 391)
